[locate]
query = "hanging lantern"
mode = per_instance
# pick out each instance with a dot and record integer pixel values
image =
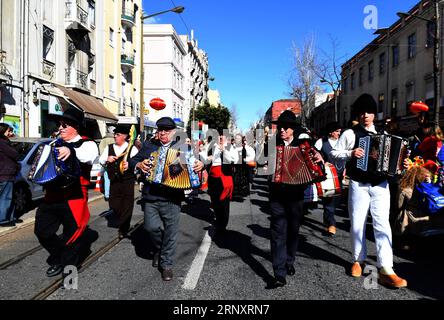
(157, 104)
(418, 106)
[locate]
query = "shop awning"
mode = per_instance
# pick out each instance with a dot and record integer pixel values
(92, 107)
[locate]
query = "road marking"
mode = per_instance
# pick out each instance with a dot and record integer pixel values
(193, 275)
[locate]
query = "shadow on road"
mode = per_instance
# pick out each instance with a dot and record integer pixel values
(241, 245)
(199, 209)
(142, 244)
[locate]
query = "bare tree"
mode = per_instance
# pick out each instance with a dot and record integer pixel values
(234, 118)
(304, 80)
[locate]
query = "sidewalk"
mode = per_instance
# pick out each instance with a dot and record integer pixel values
(29, 217)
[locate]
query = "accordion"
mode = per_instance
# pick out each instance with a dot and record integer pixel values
(294, 166)
(50, 172)
(384, 154)
(174, 170)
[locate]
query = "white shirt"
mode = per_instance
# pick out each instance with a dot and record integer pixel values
(118, 151)
(287, 143)
(230, 155)
(319, 143)
(251, 154)
(344, 147)
(87, 152)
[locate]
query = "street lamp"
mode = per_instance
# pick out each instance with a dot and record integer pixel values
(436, 20)
(335, 87)
(178, 9)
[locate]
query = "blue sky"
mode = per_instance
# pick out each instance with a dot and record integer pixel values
(249, 42)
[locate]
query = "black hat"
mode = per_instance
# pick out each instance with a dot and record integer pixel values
(287, 118)
(165, 123)
(72, 115)
(120, 128)
(332, 126)
(365, 103)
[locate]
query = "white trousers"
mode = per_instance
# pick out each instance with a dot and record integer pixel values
(362, 197)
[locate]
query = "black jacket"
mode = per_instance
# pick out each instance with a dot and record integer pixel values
(8, 159)
(155, 192)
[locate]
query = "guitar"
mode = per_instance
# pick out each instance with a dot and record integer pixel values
(132, 138)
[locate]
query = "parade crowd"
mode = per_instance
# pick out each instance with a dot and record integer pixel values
(226, 166)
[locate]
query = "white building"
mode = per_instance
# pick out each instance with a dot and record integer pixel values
(164, 72)
(11, 84)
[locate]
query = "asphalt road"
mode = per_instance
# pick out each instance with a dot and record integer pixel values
(236, 267)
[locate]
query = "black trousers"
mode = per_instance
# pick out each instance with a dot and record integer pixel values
(221, 208)
(286, 219)
(48, 219)
(121, 200)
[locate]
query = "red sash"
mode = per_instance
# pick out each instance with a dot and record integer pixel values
(80, 211)
(227, 182)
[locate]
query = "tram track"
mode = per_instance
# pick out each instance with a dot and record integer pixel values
(57, 284)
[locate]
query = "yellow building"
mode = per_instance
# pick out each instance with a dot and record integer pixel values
(121, 65)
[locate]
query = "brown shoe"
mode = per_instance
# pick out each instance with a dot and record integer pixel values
(356, 270)
(167, 274)
(392, 281)
(331, 230)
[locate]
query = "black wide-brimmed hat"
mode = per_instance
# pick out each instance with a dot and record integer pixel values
(122, 128)
(364, 104)
(332, 127)
(165, 123)
(287, 118)
(72, 115)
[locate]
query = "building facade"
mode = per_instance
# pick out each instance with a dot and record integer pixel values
(279, 106)
(396, 68)
(164, 72)
(11, 66)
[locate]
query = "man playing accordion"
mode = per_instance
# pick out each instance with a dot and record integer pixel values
(367, 191)
(67, 205)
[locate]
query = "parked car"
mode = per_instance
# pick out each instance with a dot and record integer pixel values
(26, 191)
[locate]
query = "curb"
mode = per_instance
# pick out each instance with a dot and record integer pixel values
(30, 221)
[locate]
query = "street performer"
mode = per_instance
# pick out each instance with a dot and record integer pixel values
(161, 203)
(67, 206)
(367, 191)
(287, 204)
(121, 196)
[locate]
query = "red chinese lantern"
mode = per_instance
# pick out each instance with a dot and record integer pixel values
(418, 106)
(157, 104)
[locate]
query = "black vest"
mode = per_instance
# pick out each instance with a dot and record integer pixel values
(326, 149)
(113, 169)
(357, 174)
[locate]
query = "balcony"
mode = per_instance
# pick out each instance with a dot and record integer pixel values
(76, 79)
(127, 61)
(128, 18)
(76, 18)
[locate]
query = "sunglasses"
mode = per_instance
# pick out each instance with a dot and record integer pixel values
(62, 124)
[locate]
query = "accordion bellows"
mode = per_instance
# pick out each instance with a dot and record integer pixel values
(176, 171)
(384, 154)
(295, 167)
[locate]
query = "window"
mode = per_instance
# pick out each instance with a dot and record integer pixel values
(345, 85)
(112, 90)
(92, 13)
(382, 63)
(381, 99)
(411, 46)
(48, 40)
(360, 76)
(352, 84)
(395, 56)
(394, 104)
(409, 92)
(370, 70)
(111, 37)
(430, 34)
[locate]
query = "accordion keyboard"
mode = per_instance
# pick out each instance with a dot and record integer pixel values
(364, 144)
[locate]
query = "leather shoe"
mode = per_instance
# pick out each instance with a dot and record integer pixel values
(279, 282)
(167, 274)
(291, 270)
(356, 270)
(54, 270)
(156, 257)
(331, 230)
(392, 281)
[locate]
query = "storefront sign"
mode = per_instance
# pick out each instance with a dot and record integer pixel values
(54, 106)
(14, 122)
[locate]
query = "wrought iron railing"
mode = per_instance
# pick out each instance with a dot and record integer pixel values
(73, 11)
(76, 78)
(128, 15)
